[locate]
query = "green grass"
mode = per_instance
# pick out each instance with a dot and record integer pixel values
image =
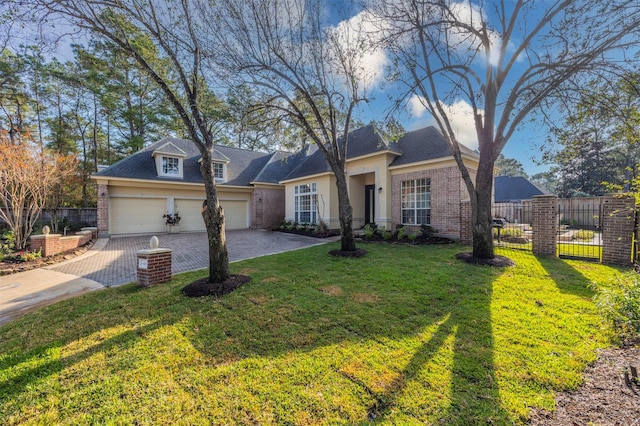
(406, 335)
(586, 251)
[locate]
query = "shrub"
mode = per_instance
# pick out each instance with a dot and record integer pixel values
(412, 236)
(387, 235)
(620, 308)
(427, 231)
(583, 234)
(9, 243)
(508, 233)
(402, 232)
(369, 230)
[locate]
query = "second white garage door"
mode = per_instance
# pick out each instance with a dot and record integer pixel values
(236, 214)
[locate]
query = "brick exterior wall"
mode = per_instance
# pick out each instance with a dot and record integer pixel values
(153, 266)
(268, 207)
(617, 229)
(103, 210)
(446, 197)
(51, 244)
(544, 221)
(466, 225)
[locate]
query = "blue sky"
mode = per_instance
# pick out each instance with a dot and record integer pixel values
(523, 146)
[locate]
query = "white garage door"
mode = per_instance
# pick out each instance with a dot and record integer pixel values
(137, 215)
(236, 214)
(190, 214)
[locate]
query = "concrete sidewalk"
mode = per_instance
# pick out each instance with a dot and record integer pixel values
(112, 262)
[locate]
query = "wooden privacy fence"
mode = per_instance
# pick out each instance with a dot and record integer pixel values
(84, 217)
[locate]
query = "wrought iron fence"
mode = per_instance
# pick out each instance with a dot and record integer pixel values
(580, 228)
(512, 225)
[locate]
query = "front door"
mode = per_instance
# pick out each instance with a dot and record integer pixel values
(369, 200)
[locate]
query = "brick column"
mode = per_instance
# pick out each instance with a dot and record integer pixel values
(466, 227)
(103, 210)
(544, 222)
(617, 229)
(153, 266)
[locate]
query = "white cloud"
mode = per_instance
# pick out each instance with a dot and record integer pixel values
(357, 37)
(471, 15)
(460, 116)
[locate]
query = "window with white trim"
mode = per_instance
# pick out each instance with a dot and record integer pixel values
(218, 170)
(170, 166)
(305, 203)
(416, 202)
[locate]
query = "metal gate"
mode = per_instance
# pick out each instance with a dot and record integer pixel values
(580, 228)
(512, 225)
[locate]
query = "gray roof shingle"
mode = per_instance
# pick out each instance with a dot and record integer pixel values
(514, 189)
(242, 167)
(245, 167)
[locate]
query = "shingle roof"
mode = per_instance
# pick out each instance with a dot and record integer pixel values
(413, 147)
(362, 141)
(425, 144)
(243, 165)
(513, 189)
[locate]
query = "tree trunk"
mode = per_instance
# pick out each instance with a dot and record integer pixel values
(345, 214)
(482, 214)
(213, 216)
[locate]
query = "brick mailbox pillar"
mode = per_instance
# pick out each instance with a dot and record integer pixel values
(617, 229)
(544, 221)
(153, 264)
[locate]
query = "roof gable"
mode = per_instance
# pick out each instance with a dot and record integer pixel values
(169, 148)
(413, 147)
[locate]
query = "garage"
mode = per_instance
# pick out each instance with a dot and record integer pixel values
(190, 214)
(136, 215)
(236, 214)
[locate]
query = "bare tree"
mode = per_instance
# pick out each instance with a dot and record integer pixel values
(307, 70)
(503, 59)
(27, 176)
(164, 38)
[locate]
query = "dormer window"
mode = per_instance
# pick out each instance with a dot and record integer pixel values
(171, 166)
(169, 160)
(218, 170)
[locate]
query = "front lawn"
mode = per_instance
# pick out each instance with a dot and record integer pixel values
(405, 335)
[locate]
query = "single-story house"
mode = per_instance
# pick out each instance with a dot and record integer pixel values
(411, 181)
(512, 198)
(514, 189)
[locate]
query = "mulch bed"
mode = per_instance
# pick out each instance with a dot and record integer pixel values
(358, 252)
(605, 398)
(203, 287)
(497, 261)
(8, 268)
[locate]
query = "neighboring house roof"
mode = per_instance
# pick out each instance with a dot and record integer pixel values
(509, 189)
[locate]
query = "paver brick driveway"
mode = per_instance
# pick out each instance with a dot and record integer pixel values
(115, 264)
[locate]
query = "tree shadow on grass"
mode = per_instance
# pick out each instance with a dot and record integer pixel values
(566, 277)
(283, 312)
